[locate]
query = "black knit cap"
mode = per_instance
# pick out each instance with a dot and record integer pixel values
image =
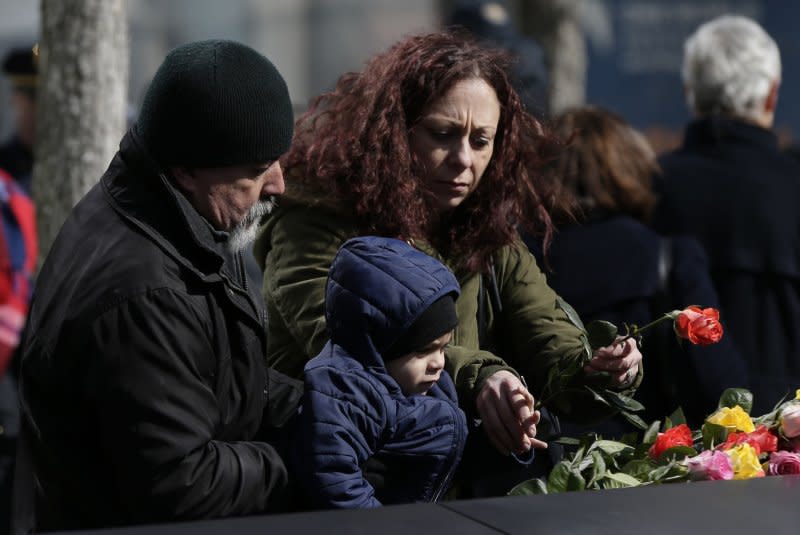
(216, 103)
(437, 320)
(20, 66)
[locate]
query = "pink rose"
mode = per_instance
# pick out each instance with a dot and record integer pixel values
(790, 421)
(711, 464)
(784, 462)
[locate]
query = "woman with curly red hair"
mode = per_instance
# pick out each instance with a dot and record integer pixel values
(430, 144)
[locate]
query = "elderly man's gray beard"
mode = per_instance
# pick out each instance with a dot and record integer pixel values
(244, 233)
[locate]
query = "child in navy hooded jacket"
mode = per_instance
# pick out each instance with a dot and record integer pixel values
(378, 388)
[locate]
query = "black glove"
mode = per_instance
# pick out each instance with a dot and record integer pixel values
(375, 473)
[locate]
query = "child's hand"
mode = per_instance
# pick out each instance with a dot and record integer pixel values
(528, 417)
(506, 409)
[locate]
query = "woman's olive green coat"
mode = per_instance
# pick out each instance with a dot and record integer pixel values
(296, 247)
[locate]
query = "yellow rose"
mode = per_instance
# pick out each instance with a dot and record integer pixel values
(734, 418)
(797, 394)
(745, 462)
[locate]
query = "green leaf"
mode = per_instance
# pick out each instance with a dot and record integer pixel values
(631, 439)
(610, 447)
(575, 481)
(571, 313)
(713, 434)
(611, 484)
(567, 441)
(677, 452)
(558, 478)
(623, 402)
(601, 333)
(623, 478)
(671, 471)
(529, 487)
(652, 432)
(677, 417)
(639, 468)
(737, 396)
(634, 420)
(598, 471)
(597, 397)
(578, 457)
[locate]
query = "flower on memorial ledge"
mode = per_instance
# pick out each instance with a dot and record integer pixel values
(729, 446)
(783, 463)
(710, 465)
(761, 439)
(735, 419)
(680, 435)
(744, 459)
(790, 421)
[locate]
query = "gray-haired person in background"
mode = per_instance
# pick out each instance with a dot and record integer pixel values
(143, 384)
(731, 187)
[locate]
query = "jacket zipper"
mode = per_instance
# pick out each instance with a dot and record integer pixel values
(456, 458)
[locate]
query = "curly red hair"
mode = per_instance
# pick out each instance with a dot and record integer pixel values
(353, 141)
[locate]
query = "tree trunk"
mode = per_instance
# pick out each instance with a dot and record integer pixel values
(81, 104)
(554, 24)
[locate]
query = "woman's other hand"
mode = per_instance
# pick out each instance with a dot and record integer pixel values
(620, 359)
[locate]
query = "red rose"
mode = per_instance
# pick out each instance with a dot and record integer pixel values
(699, 326)
(679, 435)
(760, 439)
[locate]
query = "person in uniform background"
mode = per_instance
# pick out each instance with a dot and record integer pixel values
(16, 153)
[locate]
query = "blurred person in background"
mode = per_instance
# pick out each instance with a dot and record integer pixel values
(16, 153)
(732, 188)
(607, 169)
(489, 22)
(18, 251)
(430, 143)
(143, 389)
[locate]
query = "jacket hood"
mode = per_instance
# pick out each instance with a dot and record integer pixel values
(376, 288)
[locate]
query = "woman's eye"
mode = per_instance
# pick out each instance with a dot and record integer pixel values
(481, 141)
(440, 134)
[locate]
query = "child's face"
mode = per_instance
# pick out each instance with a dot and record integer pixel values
(416, 372)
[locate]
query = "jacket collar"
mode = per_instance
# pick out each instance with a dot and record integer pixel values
(717, 129)
(143, 194)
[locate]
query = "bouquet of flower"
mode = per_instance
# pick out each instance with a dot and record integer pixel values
(697, 325)
(730, 445)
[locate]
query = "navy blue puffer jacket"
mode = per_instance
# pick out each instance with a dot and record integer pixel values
(352, 408)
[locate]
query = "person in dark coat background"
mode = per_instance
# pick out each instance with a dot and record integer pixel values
(607, 168)
(378, 389)
(730, 186)
(144, 391)
(16, 153)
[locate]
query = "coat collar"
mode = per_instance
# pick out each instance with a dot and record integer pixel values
(143, 194)
(717, 129)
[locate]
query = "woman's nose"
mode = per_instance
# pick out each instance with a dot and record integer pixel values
(461, 153)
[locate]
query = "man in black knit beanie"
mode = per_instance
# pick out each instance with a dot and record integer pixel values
(144, 392)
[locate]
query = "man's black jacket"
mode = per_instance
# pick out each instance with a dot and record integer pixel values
(144, 388)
